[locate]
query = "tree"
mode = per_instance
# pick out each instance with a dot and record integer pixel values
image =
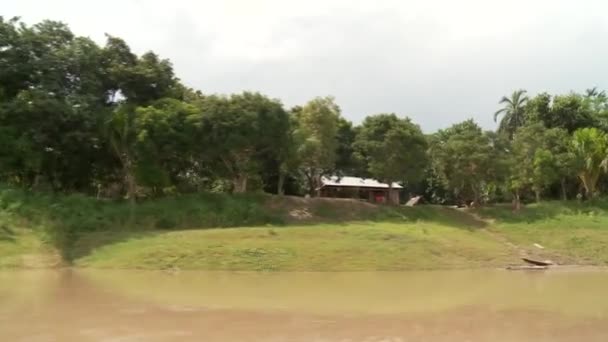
(346, 162)
(240, 129)
(557, 141)
(165, 143)
(394, 149)
(570, 112)
(121, 133)
(463, 157)
(53, 101)
(132, 82)
(538, 109)
(539, 158)
(513, 112)
(317, 127)
(590, 147)
(527, 146)
(594, 92)
(543, 171)
(597, 103)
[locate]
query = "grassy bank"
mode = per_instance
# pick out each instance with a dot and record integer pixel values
(260, 232)
(571, 232)
(321, 247)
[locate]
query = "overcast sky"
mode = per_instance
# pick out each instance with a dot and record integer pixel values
(438, 62)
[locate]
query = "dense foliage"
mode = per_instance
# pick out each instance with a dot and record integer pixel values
(78, 117)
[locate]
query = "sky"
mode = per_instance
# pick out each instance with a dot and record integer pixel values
(437, 62)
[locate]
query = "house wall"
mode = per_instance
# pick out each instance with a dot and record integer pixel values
(340, 192)
(373, 195)
(394, 196)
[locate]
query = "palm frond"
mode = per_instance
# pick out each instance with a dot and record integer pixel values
(498, 112)
(505, 99)
(518, 97)
(591, 92)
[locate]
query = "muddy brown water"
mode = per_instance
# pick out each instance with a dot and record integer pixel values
(480, 305)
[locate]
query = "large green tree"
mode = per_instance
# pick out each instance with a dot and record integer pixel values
(239, 131)
(463, 156)
(166, 143)
(133, 82)
(596, 102)
(538, 109)
(346, 162)
(54, 98)
(394, 149)
(557, 142)
(316, 135)
(539, 158)
(570, 111)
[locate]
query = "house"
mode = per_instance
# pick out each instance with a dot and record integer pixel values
(359, 188)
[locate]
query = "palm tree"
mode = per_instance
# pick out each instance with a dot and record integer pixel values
(589, 147)
(597, 100)
(594, 92)
(513, 112)
(120, 133)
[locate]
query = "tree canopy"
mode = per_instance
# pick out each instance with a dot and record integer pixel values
(77, 116)
(317, 127)
(394, 149)
(464, 158)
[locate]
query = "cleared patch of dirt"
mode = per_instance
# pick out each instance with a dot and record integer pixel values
(300, 209)
(300, 214)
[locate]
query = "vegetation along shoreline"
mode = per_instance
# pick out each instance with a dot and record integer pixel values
(108, 160)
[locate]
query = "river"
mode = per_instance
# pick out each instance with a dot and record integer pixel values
(480, 305)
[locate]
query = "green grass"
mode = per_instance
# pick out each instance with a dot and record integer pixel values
(571, 232)
(322, 247)
(59, 220)
(261, 232)
(24, 248)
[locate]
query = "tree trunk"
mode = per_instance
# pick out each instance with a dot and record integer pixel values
(475, 196)
(311, 183)
(317, 185)
(36, 182)
(563, 185)
(131, 184)
(585, 185)
(590, 182)
(537, 195)
(240, 184)
(280, 185)
(129, 180)
(244, 184)
(516, 201)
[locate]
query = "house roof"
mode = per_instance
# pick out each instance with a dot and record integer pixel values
(356, 182)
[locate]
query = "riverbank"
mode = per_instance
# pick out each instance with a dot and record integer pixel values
(266, 233)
